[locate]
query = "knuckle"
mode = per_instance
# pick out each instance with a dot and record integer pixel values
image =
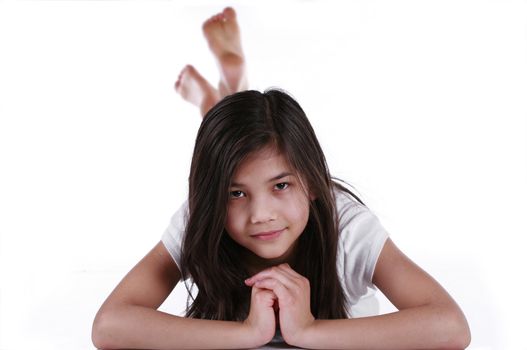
(253, 291)
(271, 282)
(260, 296)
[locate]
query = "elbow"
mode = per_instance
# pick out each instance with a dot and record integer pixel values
(457, 330)
(101, 334)
(462, 338)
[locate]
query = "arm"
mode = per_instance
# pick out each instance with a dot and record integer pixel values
(129, 317)
(428, 318)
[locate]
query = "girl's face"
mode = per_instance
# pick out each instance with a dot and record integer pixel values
(268, 207)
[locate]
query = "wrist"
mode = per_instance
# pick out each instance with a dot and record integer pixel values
(252, 336)
(303, 338)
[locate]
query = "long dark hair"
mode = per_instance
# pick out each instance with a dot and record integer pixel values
(237, 126)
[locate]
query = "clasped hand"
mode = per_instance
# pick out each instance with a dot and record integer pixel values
(279, 285)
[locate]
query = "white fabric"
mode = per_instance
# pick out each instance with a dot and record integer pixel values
(361, 238)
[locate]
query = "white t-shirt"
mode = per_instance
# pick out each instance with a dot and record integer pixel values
(361, 238)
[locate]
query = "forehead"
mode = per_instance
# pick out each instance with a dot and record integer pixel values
(262, 164)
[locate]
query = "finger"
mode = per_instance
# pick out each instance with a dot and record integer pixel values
(276, 273)
(264, 296)
(269, 272)
(300, 282)
(285, 268)
(281, 292)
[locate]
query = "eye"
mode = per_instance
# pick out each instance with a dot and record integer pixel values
(236, 194)
(281, 186)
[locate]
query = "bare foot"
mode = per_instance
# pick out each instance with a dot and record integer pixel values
(223, 36)
(196, 90)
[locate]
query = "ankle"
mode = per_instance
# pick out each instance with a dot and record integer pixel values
(208, 102)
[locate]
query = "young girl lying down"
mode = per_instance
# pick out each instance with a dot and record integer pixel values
(276, 247)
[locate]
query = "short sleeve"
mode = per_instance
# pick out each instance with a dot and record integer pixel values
(361, 239)
(173, 236)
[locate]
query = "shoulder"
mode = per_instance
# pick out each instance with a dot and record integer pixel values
(361, 238)
(359, 227)
(180, 217)
(172, 238)
(350, 213)
(346, 205)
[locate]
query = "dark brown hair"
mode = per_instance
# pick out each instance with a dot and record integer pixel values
(237, 126)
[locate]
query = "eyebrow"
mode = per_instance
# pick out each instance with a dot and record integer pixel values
(274, 178)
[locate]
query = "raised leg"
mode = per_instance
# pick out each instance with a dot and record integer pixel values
(223, 36)
(196, 90)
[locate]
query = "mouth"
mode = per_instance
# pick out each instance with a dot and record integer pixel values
(265, 236)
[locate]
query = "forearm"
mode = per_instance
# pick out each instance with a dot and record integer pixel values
(425, 327)
(137, 327)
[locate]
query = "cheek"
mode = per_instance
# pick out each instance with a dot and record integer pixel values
(299, 210)
(233, 221)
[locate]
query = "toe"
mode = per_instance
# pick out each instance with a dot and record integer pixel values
(229, 13)
(206, 24)
(210, 23)
(190, 69)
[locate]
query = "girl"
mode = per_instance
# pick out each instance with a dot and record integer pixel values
(271, 240)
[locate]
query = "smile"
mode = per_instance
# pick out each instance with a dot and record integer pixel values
(265, 236)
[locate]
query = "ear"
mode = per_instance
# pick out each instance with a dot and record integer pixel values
(312, 196)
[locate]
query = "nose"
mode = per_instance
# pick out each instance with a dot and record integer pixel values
(262, 211)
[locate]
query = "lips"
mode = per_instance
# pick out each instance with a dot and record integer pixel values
(268, 235)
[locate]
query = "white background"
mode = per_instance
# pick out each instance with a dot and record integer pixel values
(421, 105)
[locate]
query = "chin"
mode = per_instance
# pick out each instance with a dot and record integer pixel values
(271, 255)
